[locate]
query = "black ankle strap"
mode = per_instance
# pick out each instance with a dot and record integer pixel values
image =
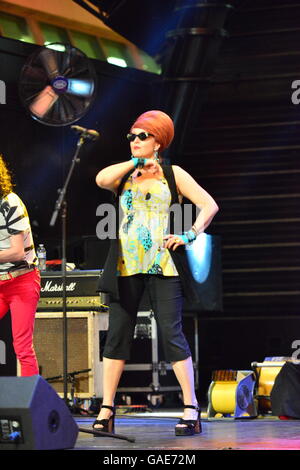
(194, 407)
(107, 406)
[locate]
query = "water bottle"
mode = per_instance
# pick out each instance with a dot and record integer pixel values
(41, 255)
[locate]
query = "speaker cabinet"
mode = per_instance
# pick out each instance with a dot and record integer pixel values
(33, 416)
(85, 330)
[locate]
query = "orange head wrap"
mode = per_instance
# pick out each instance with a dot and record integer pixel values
(159, 124)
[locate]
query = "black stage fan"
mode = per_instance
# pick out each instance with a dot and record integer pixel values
(57, 84)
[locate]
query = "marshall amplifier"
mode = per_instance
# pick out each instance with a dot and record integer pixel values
(81, 291)
(87, 323)
(86, 333)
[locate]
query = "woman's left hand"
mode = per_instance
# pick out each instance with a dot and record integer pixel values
(151, 166)
(173, 241)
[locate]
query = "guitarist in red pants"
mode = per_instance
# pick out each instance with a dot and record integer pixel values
(19, 276)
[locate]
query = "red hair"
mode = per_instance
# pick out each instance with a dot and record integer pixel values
(6, 185)
(159, 124)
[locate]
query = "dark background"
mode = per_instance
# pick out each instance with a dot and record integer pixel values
(227, 83)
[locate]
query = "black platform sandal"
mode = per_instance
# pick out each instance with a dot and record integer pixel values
(108, 425)
(190, 426)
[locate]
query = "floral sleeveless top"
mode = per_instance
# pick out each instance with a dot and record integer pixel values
(141, 232)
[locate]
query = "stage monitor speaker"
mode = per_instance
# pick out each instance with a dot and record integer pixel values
(33, 416)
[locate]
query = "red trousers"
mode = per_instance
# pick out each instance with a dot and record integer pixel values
(20, 295)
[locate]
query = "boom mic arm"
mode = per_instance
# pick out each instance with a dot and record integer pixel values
(88, 133)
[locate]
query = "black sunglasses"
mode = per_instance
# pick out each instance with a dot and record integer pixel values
(141, 136)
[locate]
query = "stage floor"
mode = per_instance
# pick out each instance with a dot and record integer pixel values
(155, 431)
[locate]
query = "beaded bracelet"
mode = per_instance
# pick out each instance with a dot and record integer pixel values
(138, 162)
(187, 237)
(190, 235)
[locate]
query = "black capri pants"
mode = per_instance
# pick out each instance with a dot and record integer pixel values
(166, 299)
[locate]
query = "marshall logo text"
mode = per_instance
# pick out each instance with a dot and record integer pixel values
(51, 286)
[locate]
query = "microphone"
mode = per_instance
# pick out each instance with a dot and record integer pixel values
(88, 133)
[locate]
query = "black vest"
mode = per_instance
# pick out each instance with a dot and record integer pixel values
(108, 280)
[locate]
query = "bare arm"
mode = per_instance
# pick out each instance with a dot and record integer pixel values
(16, 250)
(190, 189)
(111, 176)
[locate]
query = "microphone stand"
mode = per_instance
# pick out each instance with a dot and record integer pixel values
(61, 204)
(72, 380)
